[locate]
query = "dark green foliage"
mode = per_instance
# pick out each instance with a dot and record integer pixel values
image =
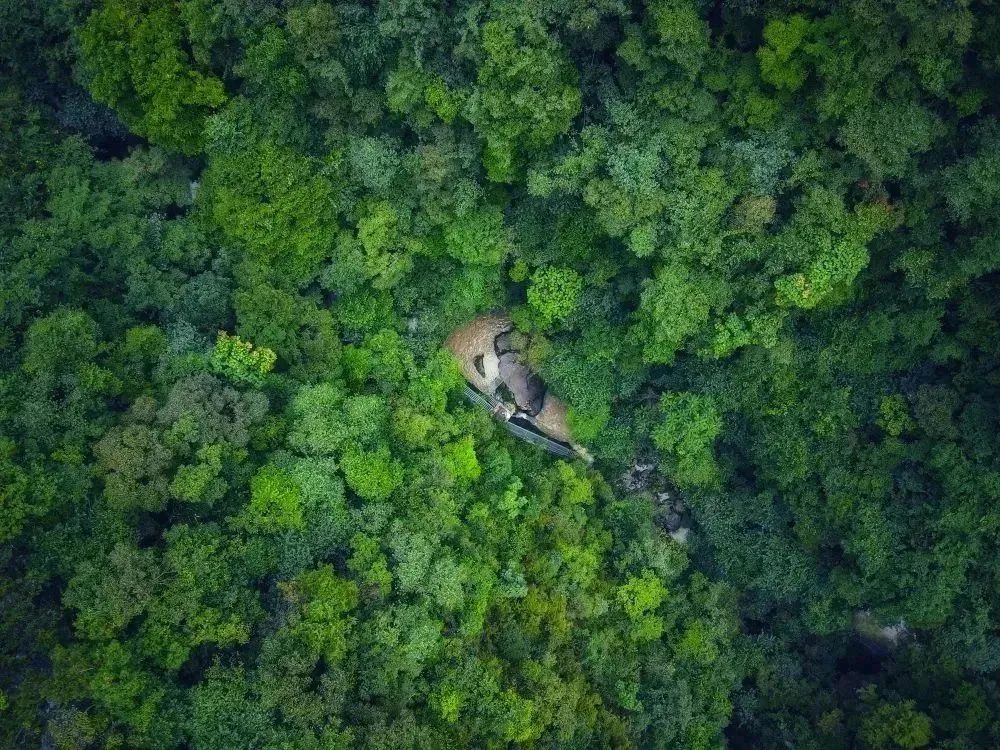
(134, 59)
(526, 95)
(753, 247)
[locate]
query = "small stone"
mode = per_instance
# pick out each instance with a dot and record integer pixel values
(673, 522)
(681, 535)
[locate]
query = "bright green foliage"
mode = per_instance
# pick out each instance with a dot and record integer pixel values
(640, 598)
(586, 425)
(323, 601)
(385, 261)
(275, 501)
(897, 725)
(682, 34)
(239, 361)
(780, 60)
(675, 304)
(274, 202)
(460, 458)
(441, 101)
(200, 482)
(373, 475)
(369, 564)
(894, 415)
(686, 436)
(134, 60)
(554, 293)
(478, 237)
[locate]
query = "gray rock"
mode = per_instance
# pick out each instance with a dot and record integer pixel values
(504, 343)
(509, 365)
(673, 522)
(681, 535)
(637, 477)
(526, 387)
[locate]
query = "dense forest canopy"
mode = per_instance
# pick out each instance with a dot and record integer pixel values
(752, 245)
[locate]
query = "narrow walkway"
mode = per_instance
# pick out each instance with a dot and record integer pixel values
(502, 413)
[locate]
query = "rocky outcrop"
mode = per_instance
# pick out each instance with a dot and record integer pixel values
(638, 476)
(877, 636)
(473, 344)
(504, 343)
(526, 387)
(670, 512)
(552, 420)
(488, 350)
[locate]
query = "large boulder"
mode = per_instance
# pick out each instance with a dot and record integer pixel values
(552, 420)
(526, 387)
(472, 345)
(504, 343)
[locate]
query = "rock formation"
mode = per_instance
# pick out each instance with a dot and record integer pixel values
(487, 350)
(474, 341)
(526, 387)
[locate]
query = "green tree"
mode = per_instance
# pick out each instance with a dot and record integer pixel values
(277, 203)
(897, 725)
(275, 501)
(323, 601)
(686, 437)
(526, 96)
(239, 361)
(135, 60)
(373, 475)
(641, 597)
(554, 294)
